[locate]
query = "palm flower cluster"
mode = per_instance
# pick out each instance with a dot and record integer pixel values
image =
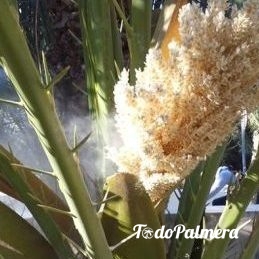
(180, 109)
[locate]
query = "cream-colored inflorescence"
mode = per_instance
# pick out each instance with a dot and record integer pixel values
(179, 111)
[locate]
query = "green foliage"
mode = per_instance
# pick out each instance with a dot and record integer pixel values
(196, 188)
(39, 190)
(15, 179)
(234, 210)
(130, 206)
(30, 244)
(38, 103)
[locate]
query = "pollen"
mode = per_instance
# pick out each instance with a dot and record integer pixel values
(179, 111)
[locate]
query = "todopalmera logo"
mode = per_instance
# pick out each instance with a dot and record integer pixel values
(142, 230)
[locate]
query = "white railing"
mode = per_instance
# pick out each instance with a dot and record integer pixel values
(210, 209)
